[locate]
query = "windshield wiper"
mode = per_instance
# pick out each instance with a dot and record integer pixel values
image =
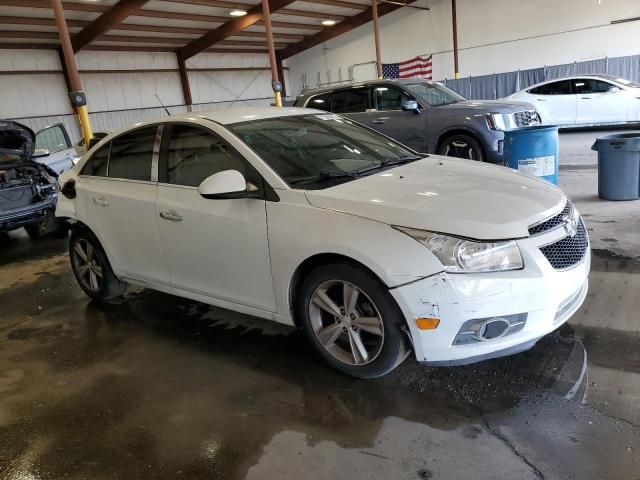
(322, 176)
(389, 163)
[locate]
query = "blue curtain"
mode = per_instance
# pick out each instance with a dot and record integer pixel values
(506, 84)
(625, 67)
(462, 86)
(483, 87)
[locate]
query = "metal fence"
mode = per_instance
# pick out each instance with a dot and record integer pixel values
(499, 85)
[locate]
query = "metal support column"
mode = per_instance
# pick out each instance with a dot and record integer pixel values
(454, 17)
(71, 68)
(376, 34)
(184, 82)
(275, 82)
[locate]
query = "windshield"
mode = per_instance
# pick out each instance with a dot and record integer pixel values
(435, 94)
(318, 151)
(622, 81)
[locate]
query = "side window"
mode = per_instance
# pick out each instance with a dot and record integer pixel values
(390, 98)
(321, 102)
(350, 101)
(562, 87)
(193, 154)
(54, 139)
(131, 154)
(97, 164)
(590, 85)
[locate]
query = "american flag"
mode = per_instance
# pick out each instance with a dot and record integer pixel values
(417, 67)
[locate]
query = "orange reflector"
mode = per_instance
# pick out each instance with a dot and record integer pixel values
(427, 323)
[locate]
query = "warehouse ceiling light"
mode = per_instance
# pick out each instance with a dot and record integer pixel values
(237, 12)
(328, 23)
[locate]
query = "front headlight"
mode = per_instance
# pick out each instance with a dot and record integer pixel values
(75, 160)
(500, 121)
(458, 255)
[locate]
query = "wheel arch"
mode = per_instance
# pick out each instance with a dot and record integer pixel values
(461, 130)
(81, 226)
(312, 262)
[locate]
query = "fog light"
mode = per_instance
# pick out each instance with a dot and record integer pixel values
(492, 328)
(427, 323)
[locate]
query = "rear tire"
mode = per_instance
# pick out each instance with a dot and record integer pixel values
(352, 320)
(462, 146)
(91, 267)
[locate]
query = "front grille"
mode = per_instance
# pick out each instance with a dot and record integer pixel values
(569, 251)
(553, 222)
(527, 118)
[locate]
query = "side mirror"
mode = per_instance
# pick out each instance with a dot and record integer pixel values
(40, 153)
(226, 184)
(411, 106)
(613, 89)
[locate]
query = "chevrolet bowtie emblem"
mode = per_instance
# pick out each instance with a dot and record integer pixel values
(571, 226)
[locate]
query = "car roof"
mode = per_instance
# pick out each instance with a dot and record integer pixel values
(339, 86)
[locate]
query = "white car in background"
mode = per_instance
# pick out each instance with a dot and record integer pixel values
(310, 219)
(584, 100)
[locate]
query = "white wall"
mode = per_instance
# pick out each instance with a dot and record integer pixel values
(118, 99)
(493, 36)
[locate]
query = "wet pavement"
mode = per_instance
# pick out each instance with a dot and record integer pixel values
(154, 386)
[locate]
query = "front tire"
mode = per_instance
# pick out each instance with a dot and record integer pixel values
(352, 320)
(91, 267)
(462, 146)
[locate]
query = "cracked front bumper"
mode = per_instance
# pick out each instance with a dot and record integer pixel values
(548, 297)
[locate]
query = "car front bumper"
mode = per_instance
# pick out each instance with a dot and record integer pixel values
(547, 296)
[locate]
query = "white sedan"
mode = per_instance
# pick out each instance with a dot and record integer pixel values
(310, 219)
(584, 100)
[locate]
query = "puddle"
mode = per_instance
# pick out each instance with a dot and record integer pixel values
(154, 386)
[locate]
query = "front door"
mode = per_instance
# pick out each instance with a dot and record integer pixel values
(117, 191)
(599, 102)
(214, 247)
(408, 127)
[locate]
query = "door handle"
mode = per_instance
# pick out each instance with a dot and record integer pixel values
(585, 98)
(541, 99)
(171, 215)
(380, 121)
(100, 201)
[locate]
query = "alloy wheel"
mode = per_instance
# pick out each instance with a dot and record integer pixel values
(346, 322)
(460, 149)
(87, 265)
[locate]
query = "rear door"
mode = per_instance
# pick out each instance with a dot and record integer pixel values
(117, 188)
(214, 247)
(600, 101)
(408, 127)
(556, 102)
(55, 140)
(353, 103)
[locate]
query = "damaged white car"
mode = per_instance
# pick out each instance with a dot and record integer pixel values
(28, 189)
(310, 219)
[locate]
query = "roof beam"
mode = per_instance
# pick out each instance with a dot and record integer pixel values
(340, 3)
(49, 22)
(91, 7)
(230, 28)
(283, 11)
(105, 22)
(342, 27)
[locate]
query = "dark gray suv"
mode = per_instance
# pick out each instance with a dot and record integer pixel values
(426, 116)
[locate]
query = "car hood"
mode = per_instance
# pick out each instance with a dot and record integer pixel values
(446, 195)
(486, 106)
(17, 142)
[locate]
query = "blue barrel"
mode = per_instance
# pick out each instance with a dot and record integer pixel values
(533, 151)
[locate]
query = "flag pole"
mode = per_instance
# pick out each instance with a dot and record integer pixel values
(454, 18)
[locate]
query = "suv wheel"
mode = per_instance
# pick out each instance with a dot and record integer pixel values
(462, 146)
(352, 320)
(91, 267)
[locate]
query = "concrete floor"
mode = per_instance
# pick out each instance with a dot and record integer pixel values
(153, 386)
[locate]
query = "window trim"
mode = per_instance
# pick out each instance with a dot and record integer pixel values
(163, 164)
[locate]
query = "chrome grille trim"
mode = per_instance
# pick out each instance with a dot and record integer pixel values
(569, 251)
(551, 223)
